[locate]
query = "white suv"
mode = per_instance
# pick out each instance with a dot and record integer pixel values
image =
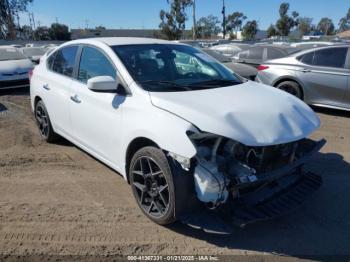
(186, 132)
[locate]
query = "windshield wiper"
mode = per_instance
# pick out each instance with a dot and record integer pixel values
(215, 82)
(164, 82)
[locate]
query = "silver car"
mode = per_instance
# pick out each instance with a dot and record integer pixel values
(319, 76)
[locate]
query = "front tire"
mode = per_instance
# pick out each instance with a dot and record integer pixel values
(44, 123)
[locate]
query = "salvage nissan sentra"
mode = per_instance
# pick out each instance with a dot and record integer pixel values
(187, 133)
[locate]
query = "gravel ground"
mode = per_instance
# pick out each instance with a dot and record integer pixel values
(57, 200)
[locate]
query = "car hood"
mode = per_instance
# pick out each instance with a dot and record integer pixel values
(251, 113)
(19, 66)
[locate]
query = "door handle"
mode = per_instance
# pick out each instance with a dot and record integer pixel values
(306, 70)
(75, 99)
(46, 87)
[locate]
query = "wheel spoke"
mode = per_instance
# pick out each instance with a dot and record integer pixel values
(158, 207)
(150, 207)
(149, 166)
(140, 173)
(139, 186)
(162, 199)
(157, 173)
(162, 188)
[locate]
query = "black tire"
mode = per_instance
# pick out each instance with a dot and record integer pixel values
(44, 123)
(292, 88)
(161, 205)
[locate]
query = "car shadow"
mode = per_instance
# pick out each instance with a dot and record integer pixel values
(333, 112)
(321, 226)
(23, 91)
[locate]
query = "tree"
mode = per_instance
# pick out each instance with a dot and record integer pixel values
(344, 23)
(304, 25)
(27, 32)
(249, 30)
(173, 22)
(59, 32)
(8, 10)
(271, 31)
(100, 27)
(326, 26)
(235, 21)
(42, 33)
(208, 26)
(285, 23)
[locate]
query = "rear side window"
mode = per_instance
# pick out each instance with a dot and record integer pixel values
(331, 57)
(64, 60)
(94, 63)
(307, 58)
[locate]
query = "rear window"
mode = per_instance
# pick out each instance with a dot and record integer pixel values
(256, 53)
(273, 53)
(10, 54)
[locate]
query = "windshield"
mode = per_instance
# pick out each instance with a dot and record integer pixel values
(10, 54)
(29, 52)
(170, 67)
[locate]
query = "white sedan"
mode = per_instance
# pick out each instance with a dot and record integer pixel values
(14, 68)
(186, 138)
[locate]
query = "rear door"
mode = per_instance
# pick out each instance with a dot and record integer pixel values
(56, 87)
(325, 76)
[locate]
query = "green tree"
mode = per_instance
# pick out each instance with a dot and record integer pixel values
(271, 31)
(27, 32)
(8, 10)
(285, 23)
(344, 23)
(208, 26)
(326, 26)
(304, 25)
(59, 32)
(100, 27)
(249, 30)
(42, 33)
(235, 21)
(173, 22)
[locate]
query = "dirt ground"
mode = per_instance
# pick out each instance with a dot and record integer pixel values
(57, 200)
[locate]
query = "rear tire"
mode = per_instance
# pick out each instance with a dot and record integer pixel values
(292, 88)
(44, 123)
(155, 181)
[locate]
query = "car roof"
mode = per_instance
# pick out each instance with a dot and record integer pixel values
(113, 41)
(302, 52)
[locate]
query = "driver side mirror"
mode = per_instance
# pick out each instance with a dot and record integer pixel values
(102, 84)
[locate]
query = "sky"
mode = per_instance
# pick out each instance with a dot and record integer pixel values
(138, 14)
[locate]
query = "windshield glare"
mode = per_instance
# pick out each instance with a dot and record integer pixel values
(10, 54)
(171, 67)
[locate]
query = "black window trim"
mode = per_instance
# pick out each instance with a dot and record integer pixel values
(54, 54)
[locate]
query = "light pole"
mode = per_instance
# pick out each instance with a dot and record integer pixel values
(194, 29)
(223, 19)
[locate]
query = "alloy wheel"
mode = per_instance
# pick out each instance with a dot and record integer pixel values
(150, 186)
(42, 120)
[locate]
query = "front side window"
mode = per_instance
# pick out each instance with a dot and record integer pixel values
(93, 63)
(171, 67)
(331, 57)
(64, 60)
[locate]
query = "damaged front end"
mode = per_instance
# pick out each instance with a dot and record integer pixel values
(244, 184)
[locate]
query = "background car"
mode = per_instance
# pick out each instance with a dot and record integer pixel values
(33, 53)
(319, 76)
(246, 71)
(256, 55)
(230, 49)
(14, 68)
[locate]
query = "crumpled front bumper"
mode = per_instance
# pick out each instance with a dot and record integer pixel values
(284, 190)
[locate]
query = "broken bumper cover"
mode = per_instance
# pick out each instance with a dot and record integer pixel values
(287, 189)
